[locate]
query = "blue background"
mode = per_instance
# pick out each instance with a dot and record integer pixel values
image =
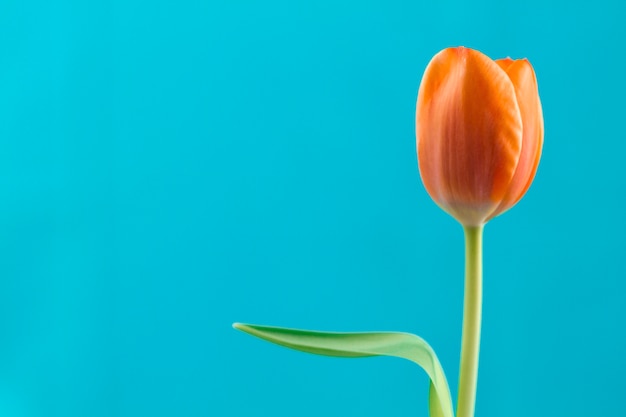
(168, 168)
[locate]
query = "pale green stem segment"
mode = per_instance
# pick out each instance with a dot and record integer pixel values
(470, 344)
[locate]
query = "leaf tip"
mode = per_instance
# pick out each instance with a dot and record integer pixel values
(246, 328)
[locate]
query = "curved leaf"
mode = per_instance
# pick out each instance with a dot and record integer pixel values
(434, 403)
(356, 345)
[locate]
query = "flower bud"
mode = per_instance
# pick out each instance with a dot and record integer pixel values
(479, 129)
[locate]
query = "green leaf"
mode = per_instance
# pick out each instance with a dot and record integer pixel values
(434, 403)
(358, 345)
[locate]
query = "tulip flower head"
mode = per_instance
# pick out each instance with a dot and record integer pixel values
(479, 129)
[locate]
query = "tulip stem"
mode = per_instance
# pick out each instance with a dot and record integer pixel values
(470, 344)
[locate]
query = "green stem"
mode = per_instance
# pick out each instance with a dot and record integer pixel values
(470, 345)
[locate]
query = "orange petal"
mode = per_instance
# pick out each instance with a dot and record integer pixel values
(469, 133)
(504, 63)
(523, 77)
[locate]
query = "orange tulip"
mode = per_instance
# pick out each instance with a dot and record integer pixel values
(479, 129)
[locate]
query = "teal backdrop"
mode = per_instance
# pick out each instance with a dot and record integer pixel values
(169, 168)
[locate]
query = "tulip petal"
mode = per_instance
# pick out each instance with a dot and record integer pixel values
(504, 63)
(469, 133)
(523, 78)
